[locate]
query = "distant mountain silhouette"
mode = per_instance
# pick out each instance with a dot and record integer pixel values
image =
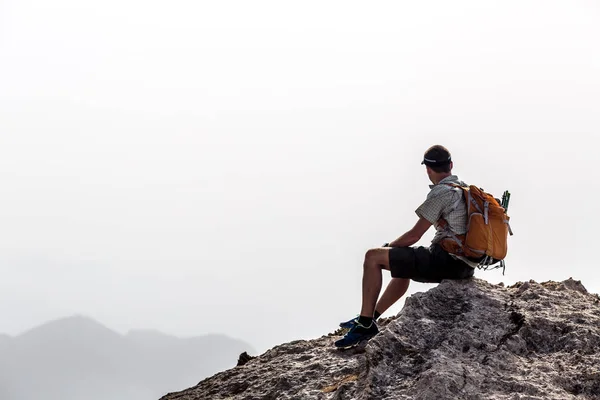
(78, 358)
(4, 339)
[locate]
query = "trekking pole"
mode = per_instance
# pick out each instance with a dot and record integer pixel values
(505, 199)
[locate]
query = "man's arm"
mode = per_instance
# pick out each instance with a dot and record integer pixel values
(411, 237)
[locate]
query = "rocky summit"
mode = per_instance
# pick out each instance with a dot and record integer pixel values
(460, 340)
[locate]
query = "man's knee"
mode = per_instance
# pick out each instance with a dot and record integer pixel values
(370, 254)
(378, 257)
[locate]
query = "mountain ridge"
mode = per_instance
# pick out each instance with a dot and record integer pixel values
(77, 357)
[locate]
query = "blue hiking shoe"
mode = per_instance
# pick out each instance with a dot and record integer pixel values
(350, 323)
(357, 334)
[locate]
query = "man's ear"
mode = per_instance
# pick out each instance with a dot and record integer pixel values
(451, 165)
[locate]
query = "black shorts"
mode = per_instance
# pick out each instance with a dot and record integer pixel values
(427, 264)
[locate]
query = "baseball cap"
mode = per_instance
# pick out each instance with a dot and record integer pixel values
(436, 156)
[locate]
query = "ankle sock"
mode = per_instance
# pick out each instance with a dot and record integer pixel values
(376, 315)
(365, 321)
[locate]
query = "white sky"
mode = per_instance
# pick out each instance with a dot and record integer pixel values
(197, 168)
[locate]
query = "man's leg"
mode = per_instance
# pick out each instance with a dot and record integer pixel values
(407, 263)
(375, 260)
(393, 292)
(364, 329)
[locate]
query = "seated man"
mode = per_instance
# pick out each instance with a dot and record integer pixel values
(444, 208)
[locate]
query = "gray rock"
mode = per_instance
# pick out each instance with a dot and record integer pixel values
(460, 340)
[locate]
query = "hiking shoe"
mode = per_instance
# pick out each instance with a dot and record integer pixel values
(357, 334)
(349, 324)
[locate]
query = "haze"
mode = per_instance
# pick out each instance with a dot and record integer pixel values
(222, 167)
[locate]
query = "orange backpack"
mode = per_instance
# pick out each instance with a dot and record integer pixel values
(487, 229)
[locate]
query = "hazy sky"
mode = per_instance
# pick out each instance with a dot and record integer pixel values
(199, 167)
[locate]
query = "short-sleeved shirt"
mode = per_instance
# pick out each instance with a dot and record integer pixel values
(445, 202)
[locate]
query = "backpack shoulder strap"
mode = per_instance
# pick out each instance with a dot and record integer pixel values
(465, 194)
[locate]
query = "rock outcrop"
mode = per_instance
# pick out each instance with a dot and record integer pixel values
(460, 340)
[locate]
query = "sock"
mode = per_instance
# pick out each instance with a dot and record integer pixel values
(377, 315)
(365, 321)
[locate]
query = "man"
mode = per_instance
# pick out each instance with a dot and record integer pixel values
(444, 208)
